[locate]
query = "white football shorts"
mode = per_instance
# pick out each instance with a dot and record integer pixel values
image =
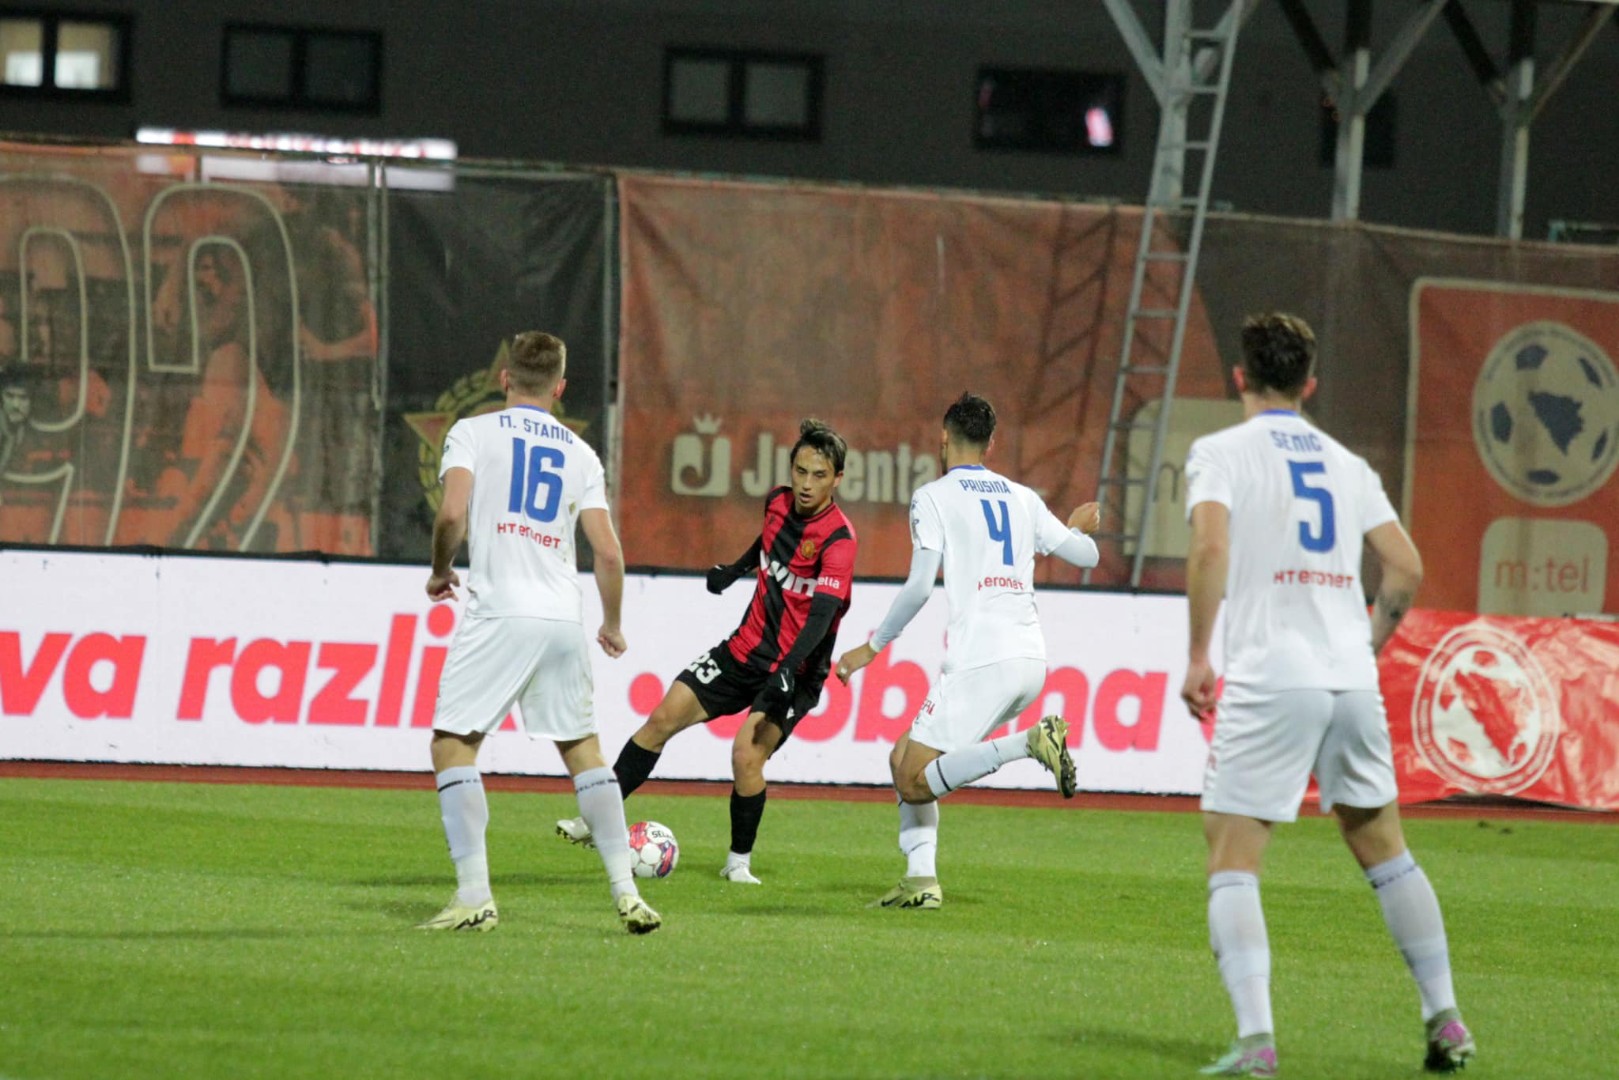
(540, 665)
(1265, 749)
(964, 706)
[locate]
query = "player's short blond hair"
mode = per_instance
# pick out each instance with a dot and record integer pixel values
(536, 361)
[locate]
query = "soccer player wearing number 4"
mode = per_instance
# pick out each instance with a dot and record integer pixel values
(777, 660)
(515, 483)
(985, 530)
(1278, 512)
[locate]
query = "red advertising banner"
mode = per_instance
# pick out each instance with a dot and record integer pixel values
(750, 306)
(1514, 438)
(1494, 705)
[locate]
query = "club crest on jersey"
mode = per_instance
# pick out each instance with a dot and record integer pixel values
(806, 550)
(471, 395)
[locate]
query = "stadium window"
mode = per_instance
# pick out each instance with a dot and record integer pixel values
(64, 55)
(755, 95)
(1050, 112)
(300, 68)
(1378, 147)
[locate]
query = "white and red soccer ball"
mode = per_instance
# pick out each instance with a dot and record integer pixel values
(653, 850)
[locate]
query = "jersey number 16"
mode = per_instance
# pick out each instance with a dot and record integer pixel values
(529, 475)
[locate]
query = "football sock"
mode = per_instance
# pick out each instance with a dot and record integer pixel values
(602, 807)
(947, 772)
(919, 838)
(635, 763)
(746, 810)
(1237, 935)
(734, 860)
(1411, 911)
(465, 811)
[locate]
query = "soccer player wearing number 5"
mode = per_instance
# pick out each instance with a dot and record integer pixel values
(777, 660)
(985, 530)
(1279, 510)
(515, 483)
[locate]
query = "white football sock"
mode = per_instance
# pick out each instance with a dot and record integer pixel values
(1411, 911)
(601, 804)
(1237, 935)
(733, 860)
(919, 838)
(947, 772)
(465, 812)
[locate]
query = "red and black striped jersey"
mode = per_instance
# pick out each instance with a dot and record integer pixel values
(798, 558)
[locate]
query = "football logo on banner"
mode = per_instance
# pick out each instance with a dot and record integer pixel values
(1546, 414)
(1484, 715)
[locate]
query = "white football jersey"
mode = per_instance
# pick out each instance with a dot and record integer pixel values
(531, 477)
(1301, 505)
(988, 529)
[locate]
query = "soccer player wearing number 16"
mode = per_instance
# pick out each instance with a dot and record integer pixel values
(1279, 510)
(985, 530)
(515, 483)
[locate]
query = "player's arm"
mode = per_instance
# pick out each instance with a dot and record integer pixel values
(609, 555)
(927, 552)
(1206, 563)
(913, 595)
(449, 530)
(723, 575)
(831, 593)
(1402, 574)
(1071, 543)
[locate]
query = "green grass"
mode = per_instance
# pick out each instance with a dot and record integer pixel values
(165, 930)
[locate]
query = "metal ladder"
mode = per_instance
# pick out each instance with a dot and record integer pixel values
(1198, 69)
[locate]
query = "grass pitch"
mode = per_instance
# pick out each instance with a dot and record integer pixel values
(166, 930)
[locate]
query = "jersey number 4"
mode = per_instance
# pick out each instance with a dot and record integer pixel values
(1000, 526)
(1327, 535)
(531, 471)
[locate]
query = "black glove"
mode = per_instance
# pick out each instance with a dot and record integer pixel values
(776, 699)
(722, 577)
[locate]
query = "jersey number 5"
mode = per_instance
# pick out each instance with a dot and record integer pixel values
(1328, 534)
(1000, 527)
(529, 475)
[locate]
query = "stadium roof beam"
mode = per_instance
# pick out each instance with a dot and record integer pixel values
(1354, 82)
(1519, 101)
(1168, 86)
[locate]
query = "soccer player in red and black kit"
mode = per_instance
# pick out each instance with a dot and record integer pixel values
(775, 662)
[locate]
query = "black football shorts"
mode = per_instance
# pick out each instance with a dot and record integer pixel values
(725, 685)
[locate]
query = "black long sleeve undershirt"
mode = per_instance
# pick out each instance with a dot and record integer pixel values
(823, 609)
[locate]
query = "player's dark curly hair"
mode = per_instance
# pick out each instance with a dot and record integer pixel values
(823, 440)
(970, 419)
(1278, 352)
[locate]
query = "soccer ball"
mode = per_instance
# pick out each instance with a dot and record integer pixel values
(653, 851)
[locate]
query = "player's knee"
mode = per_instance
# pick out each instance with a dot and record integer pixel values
(748, 761)
(912, 787)
(1374, 836)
